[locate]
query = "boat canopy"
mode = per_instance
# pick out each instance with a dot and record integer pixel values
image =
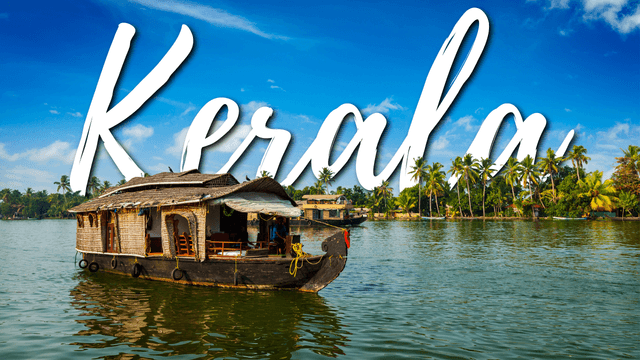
(254, 202)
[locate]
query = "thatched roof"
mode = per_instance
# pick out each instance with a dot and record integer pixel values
(166, 189)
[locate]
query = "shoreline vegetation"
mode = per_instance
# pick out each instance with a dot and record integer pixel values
(521, 190)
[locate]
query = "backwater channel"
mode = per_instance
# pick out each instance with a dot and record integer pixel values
(419, 290)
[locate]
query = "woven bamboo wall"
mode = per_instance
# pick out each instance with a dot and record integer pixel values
(130, 231)
(89, 233)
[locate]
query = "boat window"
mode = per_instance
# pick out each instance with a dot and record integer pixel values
(80, 221)
(110, 241)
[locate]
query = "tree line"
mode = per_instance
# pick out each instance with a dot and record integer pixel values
(41, 204)
(519, 190)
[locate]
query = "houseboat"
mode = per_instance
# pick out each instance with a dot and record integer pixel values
(191, 228)
(320, 210)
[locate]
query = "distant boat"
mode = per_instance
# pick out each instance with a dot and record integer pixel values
(433, 217)
(568, 218)
(322, 210)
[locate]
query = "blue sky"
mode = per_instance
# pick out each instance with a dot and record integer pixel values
(575, 62)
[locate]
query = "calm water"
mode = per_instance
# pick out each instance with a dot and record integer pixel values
(450, 290)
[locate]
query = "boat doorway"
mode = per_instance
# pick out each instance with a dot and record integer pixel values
(153, 232)
(181, 233)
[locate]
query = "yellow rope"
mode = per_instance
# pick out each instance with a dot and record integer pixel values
(297, 249)
(177, 262)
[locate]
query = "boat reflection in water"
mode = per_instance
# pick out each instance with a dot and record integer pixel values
(130, 318)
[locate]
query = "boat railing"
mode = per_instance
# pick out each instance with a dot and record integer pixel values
(225, 248)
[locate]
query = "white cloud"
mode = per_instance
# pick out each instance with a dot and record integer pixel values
(383, 108)
(271, 81)
(55, 112)
(161, 167)
(467, 122)
(138, 132)
(341, 145)
(213, 16)
(622, 15)
(75, 114)
(441, 143)
(231, 142)
(178, 143)
(567, 109)
(606, 145)
(249, 108)
(23, 173)
(58, 150)
(558, 4)
(305, 119)
(189, 109)
(277, 87)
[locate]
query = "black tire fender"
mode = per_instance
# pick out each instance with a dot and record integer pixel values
(114, 263)
(177, 274)
(93, 267)
(308, 222)
(137, 270)
(83, 264)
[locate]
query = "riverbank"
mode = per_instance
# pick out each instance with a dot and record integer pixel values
(380, 217)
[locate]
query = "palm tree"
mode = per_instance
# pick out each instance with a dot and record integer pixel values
(439, 179)
(578, 157)
(627, 200)
(485, 171)
(529, 173)
(512, 175)
(319, 187)
(105, 185)
(419, 172)
(385, 190)
(456, 170)
(265, 173)
(326, 176)
(94, 185)
(601, 195)
(121, 182)
(470, 172)
(63, 184)
(549, 165)
(435, 182)
(406, 202)
(632, 155)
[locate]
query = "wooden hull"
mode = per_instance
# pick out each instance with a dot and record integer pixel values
(264, 273)
(567, 218)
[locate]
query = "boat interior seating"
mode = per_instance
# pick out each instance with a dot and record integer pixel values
(223, 243)
(184, 245)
